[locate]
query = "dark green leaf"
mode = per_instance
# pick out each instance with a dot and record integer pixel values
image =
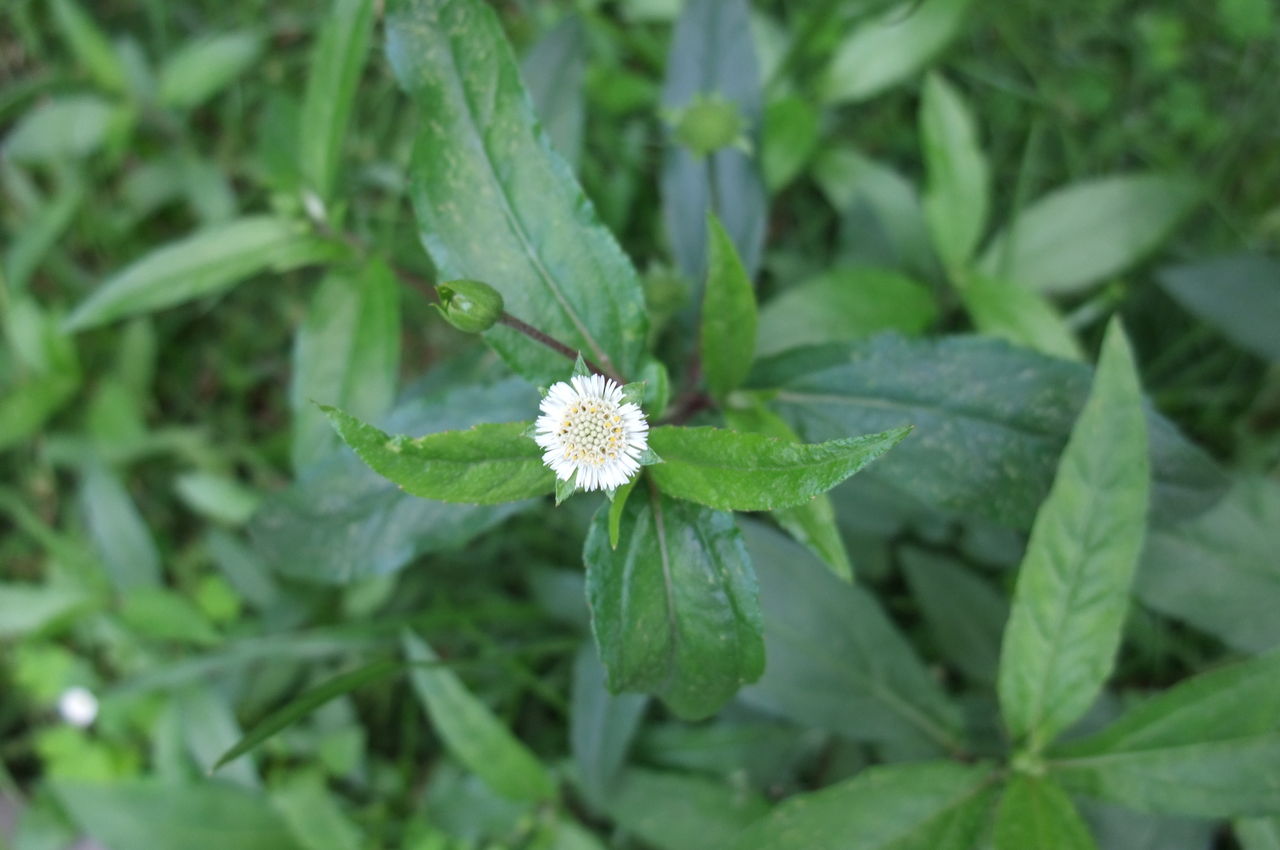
(90, 46)
(713, 54)
(1035, 814)
(672, 811)
(494, 203)
(1259, 834)
(601, 725)
(1007, 311)
(1080, 235)
(552, 71)
(336, 64)
(835, 660)
(957, 196)
(1073, 585)
(205, 263)
(928, 806)
(199, 69)
(731, 470)
(1125, 829)
(484, 465)
(472, 733)
(728, 337)
(616, 504)
(990, 421)
(1239, 295)
(314, 814)
(119, 533)
(792, 127)
(963, 612)
(674, 608)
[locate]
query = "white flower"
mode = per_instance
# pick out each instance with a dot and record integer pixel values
(587, 428)
(78, 706)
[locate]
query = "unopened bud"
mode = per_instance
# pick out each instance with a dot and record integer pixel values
(469, 305)
(709, 123)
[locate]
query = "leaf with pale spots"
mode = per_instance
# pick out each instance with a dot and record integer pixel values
(484, 465)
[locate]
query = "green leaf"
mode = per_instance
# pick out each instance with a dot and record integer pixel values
(616, 504)
(70, 126)
(792, 132)
(964, 613)
(927, 806)
(119, 533)
(564, 489)
(672, 811)
(957, 197)
(495, 203)
(1035, 813)
(891, 47)
(734, 471)
(728, 337)
(315, 815)
(1219, 571)
(90, 46)
(713, 55)
(174, 816)
(1023, 317)
(205, 263)
(346, 354)
(307, 702)
(844, 304)
(1077, 236)
(836, 661)
(40, 232)
(472, 733)
(601, 725)
(552, 71)
(27, 608)
(1239, 295)
(166, 615)
(209, 726)
(1073, 585)
(674, 608)
(1259, 834)
(990, 422)
(336, 64)
(199, 69)
(484, 465)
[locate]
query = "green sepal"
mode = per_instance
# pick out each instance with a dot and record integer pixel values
(580, 369)
(565, 489)
(633, 393)
(619, 501)
(648, 457)
(532, 431)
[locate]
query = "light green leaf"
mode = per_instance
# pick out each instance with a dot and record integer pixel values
(496, 204)
(891, 47)
(67, 126)
(199, 69)
(728, 336)
(90, 46)
(673, 811)
(346, 354)
(218, 497)
(1239, 295)
(957, 195)
(1079, 235)
(964, 613)
(209, 726)
(119, 534)
(27, 608)
(205, 263)
(1073, 585)
(484, 465)
(315, 815)
(926, 806)
(166, 615)
(836, 661)
(552, 71)
(472, 733)
(336, 63)
(674, 608)
(735, 471)
(844, 304)
(601, 725)
(171, 816)
(1007, 311)
(792, 128)
(40, 233)
(1259, 834)
(1034, 814)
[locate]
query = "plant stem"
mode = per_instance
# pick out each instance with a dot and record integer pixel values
(554, 344)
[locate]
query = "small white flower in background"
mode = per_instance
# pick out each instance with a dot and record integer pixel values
(586, 427)
(78, 706)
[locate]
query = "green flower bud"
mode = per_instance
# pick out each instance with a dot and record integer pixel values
(709, 123)
(469, 305)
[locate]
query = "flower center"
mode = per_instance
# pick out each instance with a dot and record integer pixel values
(591, 431)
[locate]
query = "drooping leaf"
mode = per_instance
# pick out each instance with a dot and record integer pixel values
(472, 733)
(496, 204)
(713, 55)
(673, 811)
(926, 806)
(205, 263)
(552, 71)
(736, 471)
(200, 69)
(484, 465)
(601, 725)
(1022, 316)
(1035, 813)
(1239, 295)
(674, 607)
(990, 421)
(891, 47)
(957, 194)
(346, 354)
(1073, 586)
(964, 614)
(1081, 234)
(835, 661)
(336, 64)
(728, 336)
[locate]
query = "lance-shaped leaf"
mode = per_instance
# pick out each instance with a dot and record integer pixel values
(958, 193)
(728, 335)
(496, 204)
(484, 465)
(674, 607)
(552, 71)
(1034, 813)
(735, 471)
(1073, 586)
(927, 806)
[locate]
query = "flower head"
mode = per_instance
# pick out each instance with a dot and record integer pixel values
(586, 427)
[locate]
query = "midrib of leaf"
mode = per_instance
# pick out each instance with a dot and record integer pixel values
(513, 221)
(1122, 751)
(766, 467)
